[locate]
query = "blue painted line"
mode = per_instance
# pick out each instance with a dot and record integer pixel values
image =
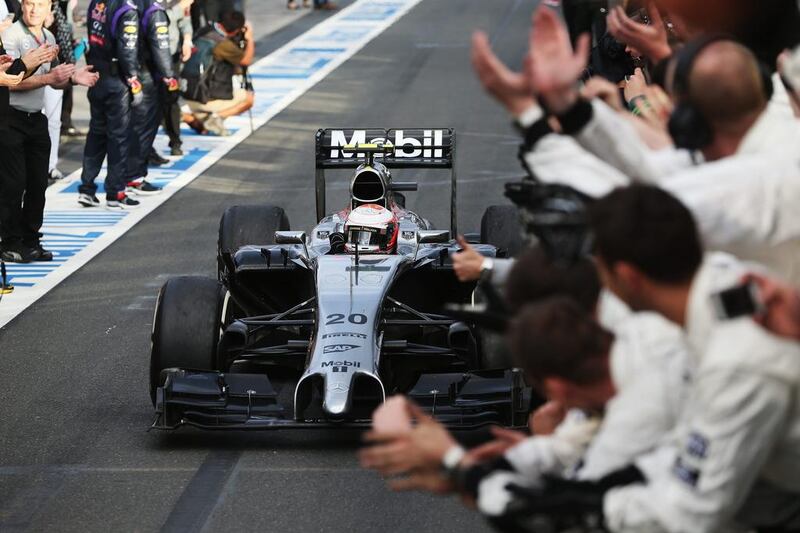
(317, 50)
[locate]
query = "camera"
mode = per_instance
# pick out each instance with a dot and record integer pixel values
(556, 215)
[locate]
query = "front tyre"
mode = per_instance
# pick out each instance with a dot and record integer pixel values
(186, 326)
(501, 227)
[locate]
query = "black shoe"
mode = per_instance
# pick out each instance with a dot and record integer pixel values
(37, 253)
(122, 203)
(142, 187)
(154, 159)
(88, 200)
(175, 150)
(16, 254)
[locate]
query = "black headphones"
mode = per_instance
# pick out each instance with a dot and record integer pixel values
(688, 127)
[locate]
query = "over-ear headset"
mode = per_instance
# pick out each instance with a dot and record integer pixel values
(687, 125)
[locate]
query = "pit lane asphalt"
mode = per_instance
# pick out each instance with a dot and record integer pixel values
(74, 404)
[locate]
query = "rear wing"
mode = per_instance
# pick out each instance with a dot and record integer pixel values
(428, 148)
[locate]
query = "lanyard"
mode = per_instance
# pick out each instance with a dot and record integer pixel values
(29, 32)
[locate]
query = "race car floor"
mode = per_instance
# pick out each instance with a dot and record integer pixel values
(74, 408)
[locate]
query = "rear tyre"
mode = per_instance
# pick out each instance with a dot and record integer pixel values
(501, 227)
(250, 224)
(186, 326)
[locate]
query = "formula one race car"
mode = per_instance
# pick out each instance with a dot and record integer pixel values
(310, 329)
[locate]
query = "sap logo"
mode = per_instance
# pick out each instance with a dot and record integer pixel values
(405, 146)
(338, 348)
(345, 334)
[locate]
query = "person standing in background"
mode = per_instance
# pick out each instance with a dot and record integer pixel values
(113, 27)
(180, 43)
(67, 7)
(58, 25)
(9, 7)
(155, 73)
(26, 149)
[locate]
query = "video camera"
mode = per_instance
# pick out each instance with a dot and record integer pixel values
(556, 215)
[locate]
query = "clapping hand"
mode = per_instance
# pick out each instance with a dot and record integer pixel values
(554, 67)
(8, 80)
(85, 76)
(651, 40)
(511, 89)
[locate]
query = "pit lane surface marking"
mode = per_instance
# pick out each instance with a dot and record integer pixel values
(77, 234)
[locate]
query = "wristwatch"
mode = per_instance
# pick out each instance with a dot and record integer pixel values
(452, 458)
(487, 269)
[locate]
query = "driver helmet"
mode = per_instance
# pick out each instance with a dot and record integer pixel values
(372, 228)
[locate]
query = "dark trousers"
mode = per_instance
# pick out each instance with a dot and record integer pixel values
(109, 104)
(172, 111)
(25, 149)
(145, 119)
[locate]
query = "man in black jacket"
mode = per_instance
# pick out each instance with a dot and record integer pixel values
(155, 67)
(113, 27)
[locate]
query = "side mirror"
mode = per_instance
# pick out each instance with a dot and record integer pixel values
(434, 236)
(290, 237)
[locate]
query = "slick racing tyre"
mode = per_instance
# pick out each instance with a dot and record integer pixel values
(250, 224)
(501, 227)
(186, 326)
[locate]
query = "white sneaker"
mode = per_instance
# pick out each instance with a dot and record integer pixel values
(216, 125)
(56, 174)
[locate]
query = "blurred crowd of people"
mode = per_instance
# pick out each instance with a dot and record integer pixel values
(138, 58)
(664, 333)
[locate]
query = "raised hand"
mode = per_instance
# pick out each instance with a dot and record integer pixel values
(467, 264)
(554, 67)
(511, 89)
(650, 40)
(38, 56)
(599, 87)
(781, 303)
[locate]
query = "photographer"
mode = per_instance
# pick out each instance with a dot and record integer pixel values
(223, 49)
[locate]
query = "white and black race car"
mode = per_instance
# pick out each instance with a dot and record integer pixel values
(317, 328)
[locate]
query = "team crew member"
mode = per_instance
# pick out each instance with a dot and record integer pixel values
(113, 51)
(734, 455)
(26, 146)
(180, 40)
(155, 68)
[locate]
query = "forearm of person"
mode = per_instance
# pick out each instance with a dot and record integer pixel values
(249, 54)
(559, 159)
(743, 202)
(500, 271)
(740, 428)
(127, 45)
(556, 453)
(611, 138)
(184, 28)
(33, 82)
